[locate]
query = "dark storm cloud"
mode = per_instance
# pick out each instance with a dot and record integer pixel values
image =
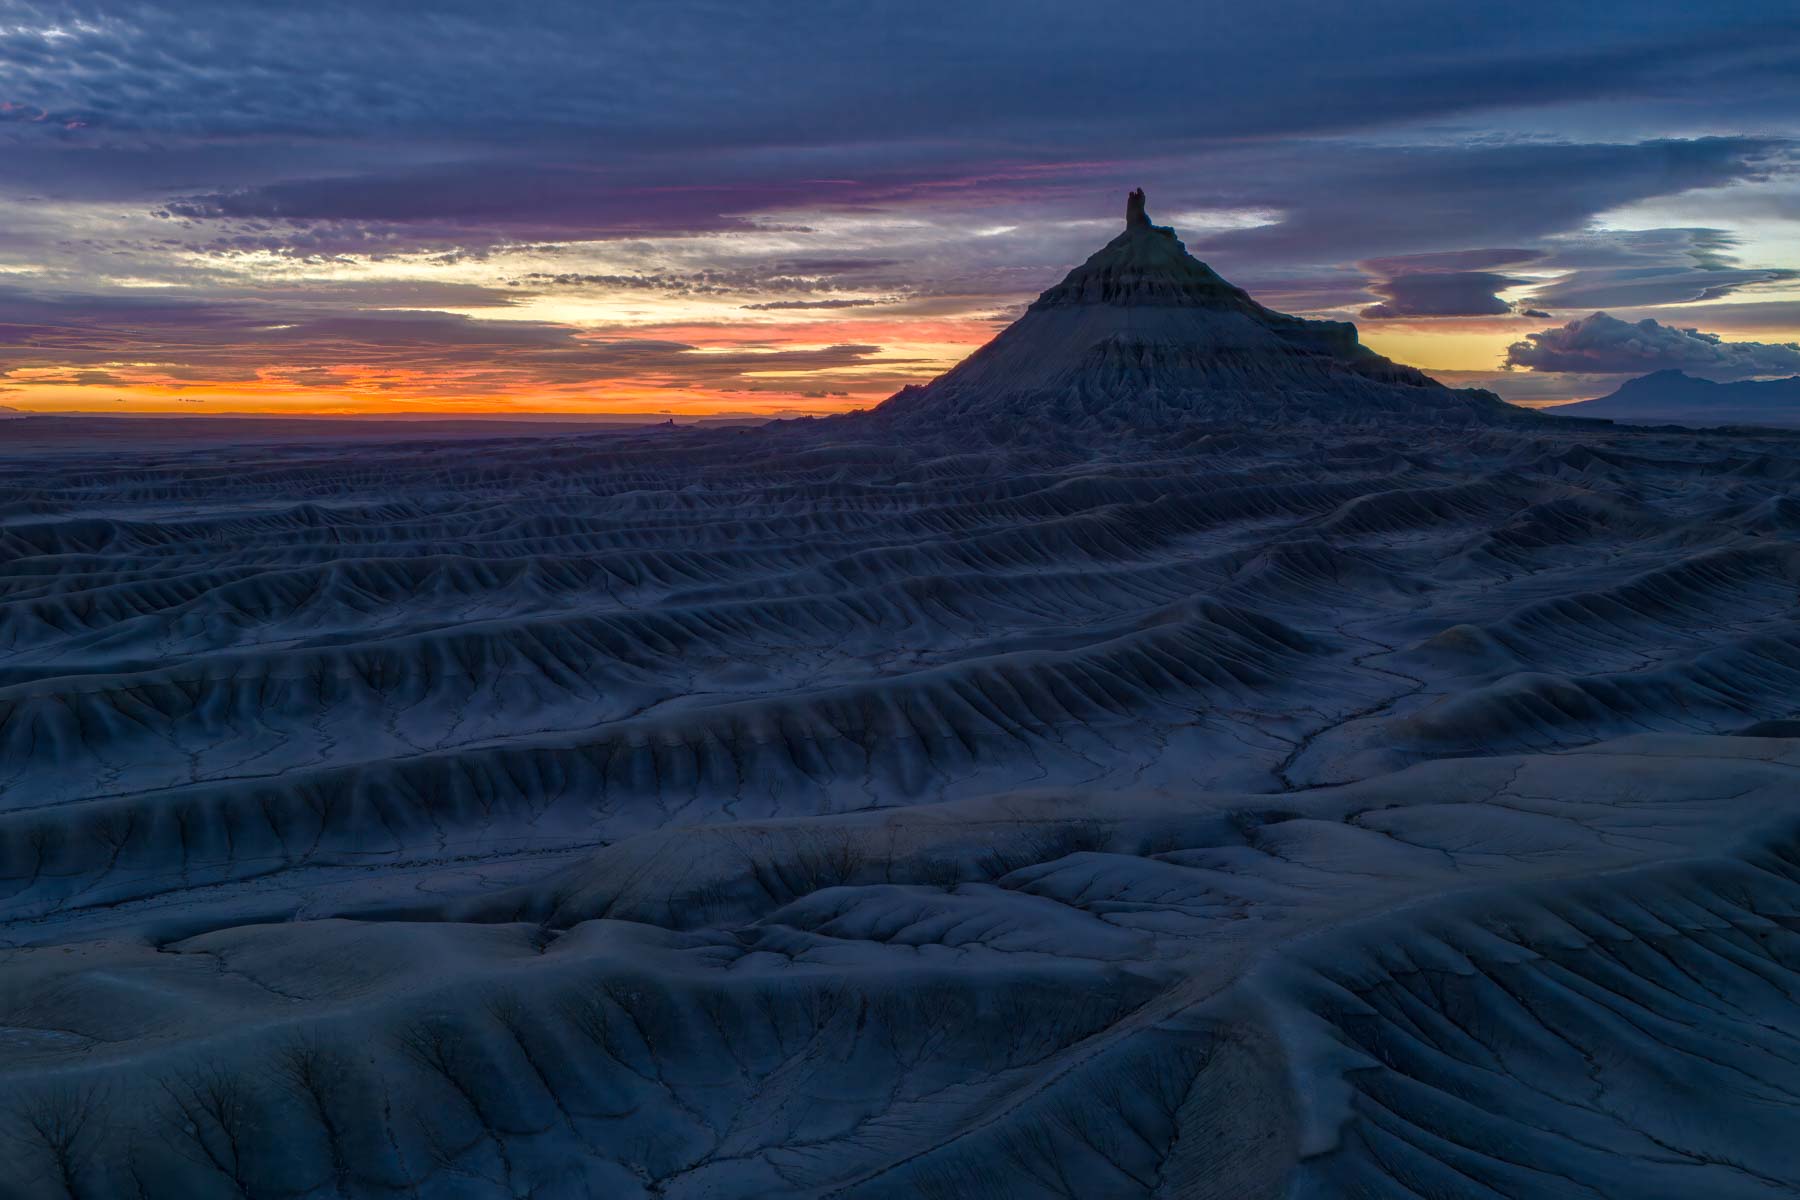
(726, 74)
(1337, 200)
(491, 200)
(1441, 294)
(1656, 285)
(1767, 317)
(1451, 260)
(1400, 208)
(1602, 343)
(1598, 250)
(1451, 284)
(1387, 201)
(463, 112)
(1625, 268)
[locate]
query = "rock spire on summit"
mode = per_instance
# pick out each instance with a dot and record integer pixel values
(1134, 209)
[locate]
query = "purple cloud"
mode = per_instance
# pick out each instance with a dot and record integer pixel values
(1454, 284)
(1602, 343)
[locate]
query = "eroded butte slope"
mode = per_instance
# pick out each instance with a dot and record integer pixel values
(1143, 335)
(812, 811)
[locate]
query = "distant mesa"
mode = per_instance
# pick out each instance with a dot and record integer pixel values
(1145, 335)
(1676, 398)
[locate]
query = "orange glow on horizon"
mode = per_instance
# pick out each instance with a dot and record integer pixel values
(694, 369)
(903, 351)
(623, 398)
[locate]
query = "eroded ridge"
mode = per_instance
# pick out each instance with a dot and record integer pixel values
(815, 811)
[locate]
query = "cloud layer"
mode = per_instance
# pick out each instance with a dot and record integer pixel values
(1602, 343)
(404, 187)
(1454, 284)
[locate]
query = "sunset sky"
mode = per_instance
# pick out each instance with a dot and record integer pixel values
(694, 208)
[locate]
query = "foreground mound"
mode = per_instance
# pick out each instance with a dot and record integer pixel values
(1290, 812)
(1535, 976)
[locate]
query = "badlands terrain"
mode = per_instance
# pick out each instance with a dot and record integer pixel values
(1176, 754)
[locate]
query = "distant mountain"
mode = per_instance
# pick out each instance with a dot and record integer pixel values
(1673, 397)
(1144, 334)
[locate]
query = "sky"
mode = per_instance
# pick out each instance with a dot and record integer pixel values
(775, 208)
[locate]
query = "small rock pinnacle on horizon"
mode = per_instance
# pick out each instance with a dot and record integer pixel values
(1134, 209)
